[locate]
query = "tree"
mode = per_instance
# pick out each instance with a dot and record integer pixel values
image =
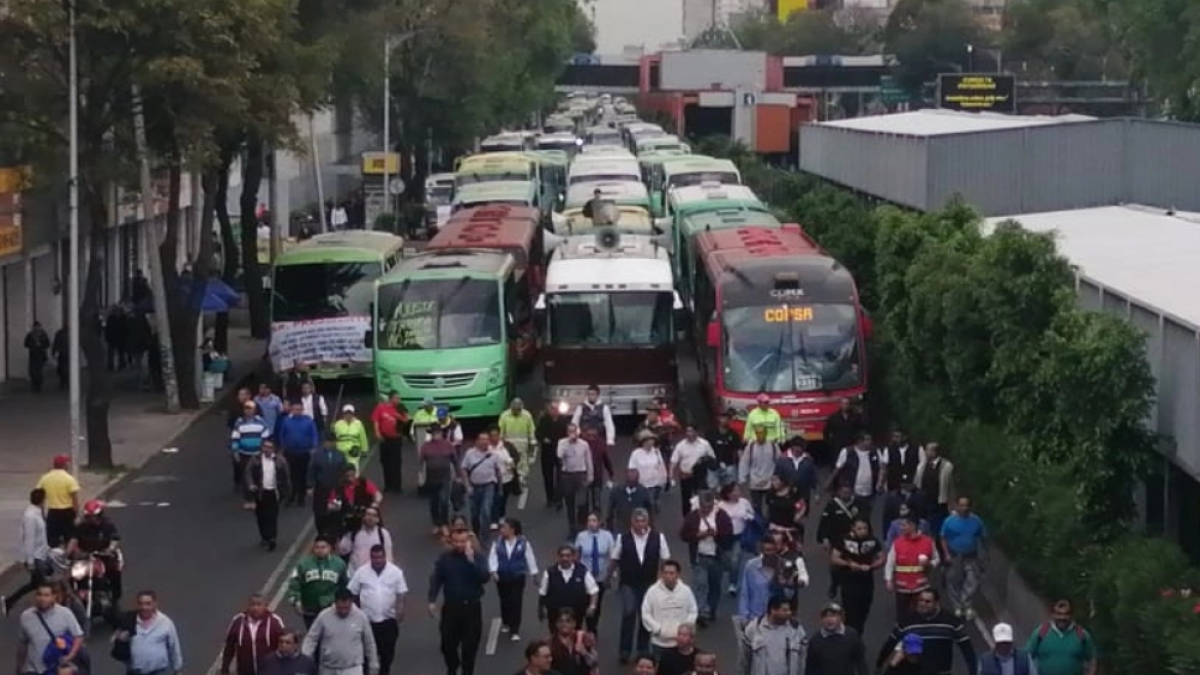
(929, 37)
(1061, 39)
(1162, 38)
(820, 31)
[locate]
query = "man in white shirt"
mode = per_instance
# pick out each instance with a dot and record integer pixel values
(637, 567)
(689, 452)
(338, 218)
(35, 549)
(576, 472)
(381, 587)
(567, 585)
(668, 605)
(861, 466)
(268, 484)
(595, 414)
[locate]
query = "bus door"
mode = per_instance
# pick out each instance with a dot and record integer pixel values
(518, 306)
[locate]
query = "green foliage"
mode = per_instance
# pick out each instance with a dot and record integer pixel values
(1061, 39)
(820, 31)
(1042, 405)
(929, 37)
(1162, 38)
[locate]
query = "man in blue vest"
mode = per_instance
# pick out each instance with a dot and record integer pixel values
(568, 585)
(637, 555)
(1005, 659)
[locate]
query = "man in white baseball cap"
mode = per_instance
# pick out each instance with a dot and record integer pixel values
(1004, 658)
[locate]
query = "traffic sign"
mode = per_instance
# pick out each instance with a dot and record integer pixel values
(396, 186)
(748, 100)
(890, 91)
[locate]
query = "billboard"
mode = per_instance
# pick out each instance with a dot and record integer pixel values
(977, 92)
(786, 8)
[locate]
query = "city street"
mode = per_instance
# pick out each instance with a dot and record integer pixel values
(186, 536)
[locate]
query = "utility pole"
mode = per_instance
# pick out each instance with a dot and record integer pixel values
(387, 125)
(316, 160)
(75, 366)
(154, 239)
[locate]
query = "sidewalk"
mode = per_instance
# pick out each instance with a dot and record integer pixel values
(36, 428)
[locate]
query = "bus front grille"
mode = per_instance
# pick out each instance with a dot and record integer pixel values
(435, 381)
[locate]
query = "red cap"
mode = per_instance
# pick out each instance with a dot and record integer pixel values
(763, 398)
(62, 461)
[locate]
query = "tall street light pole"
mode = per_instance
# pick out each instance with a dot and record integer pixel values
(387, 123)
(75, 366)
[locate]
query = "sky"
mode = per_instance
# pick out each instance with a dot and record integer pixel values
(636, 22)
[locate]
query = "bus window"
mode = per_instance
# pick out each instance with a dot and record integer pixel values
(322, 290)
(439, 314)
(640, 318)
(791, 347)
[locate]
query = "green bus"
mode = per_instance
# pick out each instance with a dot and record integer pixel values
(675, 171)
(692, 224)
(553, 165)
(686, 205)
(321, 293)
(445, 330)
(657, 143)
(509, 192)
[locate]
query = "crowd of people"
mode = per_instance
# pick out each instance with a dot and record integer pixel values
(292, 450)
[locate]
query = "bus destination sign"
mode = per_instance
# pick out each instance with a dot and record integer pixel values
(785, 313)
(976, 92)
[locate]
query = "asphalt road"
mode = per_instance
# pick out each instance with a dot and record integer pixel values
(185, 536)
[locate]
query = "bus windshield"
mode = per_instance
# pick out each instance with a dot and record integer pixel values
(439, 195)
(324, 290)
(468, 178)
(698, 178)
(640, 319)
(438, 314)
(791, 348)
(557, 145)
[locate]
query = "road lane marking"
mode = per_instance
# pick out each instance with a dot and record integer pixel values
(493, 638)
(278, 577)
(523, 499)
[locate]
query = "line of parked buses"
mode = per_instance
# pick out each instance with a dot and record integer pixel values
(679, 250)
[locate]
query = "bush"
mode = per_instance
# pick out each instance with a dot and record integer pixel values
(1042, 405)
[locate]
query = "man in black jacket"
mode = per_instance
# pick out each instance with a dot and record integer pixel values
(460, 576)
(567, 586)
(551, 428)
(842, 429)
(726, 444)
(623, 501)
(939, 630)
(636, 557)
(836, 649)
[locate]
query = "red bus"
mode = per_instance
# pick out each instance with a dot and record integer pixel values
(515, 230)
(781, 317)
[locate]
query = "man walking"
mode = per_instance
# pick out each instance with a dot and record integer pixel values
(518, 428)
(62, 500)
(246, 440)
(287, 659)
(709, 534)
(381, 588)
(268, 484)
(939, 632)
(1061, 646)
(298, 440)
(963, 536)
(860, 465)
(935, 481)
(690, 456)
(252, 635)
(44, 624)
(153, 640)
(315, 581)
(35, 549)
(1004, 658)
(576, 472)
(837, 649)
(777, 642)
(668, 605)
(436, 473)
(636, 558)
(482, 476)
(567, 586)
(325, 469)
(37, 343)
(460, 576)
(389, 420)
(341, 639)
(625, 500)
(551, 428)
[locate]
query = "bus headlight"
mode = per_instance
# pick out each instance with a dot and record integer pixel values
(495, 376)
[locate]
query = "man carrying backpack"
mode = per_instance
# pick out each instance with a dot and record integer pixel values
(1061, 646)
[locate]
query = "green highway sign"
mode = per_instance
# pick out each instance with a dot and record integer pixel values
(890, 91)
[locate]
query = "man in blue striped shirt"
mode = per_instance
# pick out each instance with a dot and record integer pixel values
(594, 546)
(246, 439)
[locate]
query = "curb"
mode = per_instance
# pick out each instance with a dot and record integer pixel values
(115, 484)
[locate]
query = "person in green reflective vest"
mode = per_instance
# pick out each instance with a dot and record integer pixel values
(763, 415)
(517, 427)
(352, 440)
(423, 418)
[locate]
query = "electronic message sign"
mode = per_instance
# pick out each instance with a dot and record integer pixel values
(977, 92)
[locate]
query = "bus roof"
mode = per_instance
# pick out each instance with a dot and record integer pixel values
(726, 219)
(622, 192)
(683, 163)
(747, 263)
(451, 264)
(551, 156)
(495, 161)
(344, 246)
(500, 228)
(632, 219)
(605, 165)
(683, 198)
(590, 151)
(581, 265)
(497, 190)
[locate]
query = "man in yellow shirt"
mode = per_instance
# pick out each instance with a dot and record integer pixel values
(62, 500)
(517, 427)
(763, 415)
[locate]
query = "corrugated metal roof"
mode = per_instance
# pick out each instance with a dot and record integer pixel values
(1137, 251)
(944, 122)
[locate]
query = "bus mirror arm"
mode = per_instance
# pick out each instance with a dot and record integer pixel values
(713, 336)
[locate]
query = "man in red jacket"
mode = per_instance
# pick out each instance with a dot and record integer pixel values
(390, 419)
(709, 534)
(252, 636)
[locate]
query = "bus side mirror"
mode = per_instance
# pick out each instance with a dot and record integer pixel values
(662, 224)
(369, 339)
(867, 324)
(713, 337)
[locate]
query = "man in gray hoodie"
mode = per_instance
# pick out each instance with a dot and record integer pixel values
(776, 641)
(342, 639)
(757, 466)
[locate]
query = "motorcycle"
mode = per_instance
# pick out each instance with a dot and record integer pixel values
(88, 581)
